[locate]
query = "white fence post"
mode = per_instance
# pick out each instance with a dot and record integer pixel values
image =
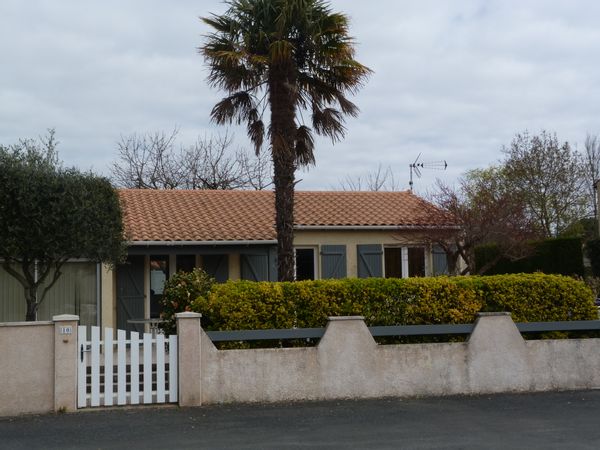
(108, 366)
(134, 356)
(121, 367)
(160, 368)
(82, 367)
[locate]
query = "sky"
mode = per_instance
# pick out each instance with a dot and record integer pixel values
(452, 80)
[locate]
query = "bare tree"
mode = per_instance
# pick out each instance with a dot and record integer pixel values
(256, 169)
(377, 180)
(592, 169)
(152, 161)
(147, 162)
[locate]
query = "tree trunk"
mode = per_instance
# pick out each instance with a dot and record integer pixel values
(283, 130)
(32, 304)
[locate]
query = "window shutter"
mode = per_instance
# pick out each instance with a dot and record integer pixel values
(130, 293)
(217, 266)
(254, 267)
(333, 261)
(440, 263)
(370, 260)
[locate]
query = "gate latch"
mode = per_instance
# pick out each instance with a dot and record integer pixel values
(84, 348)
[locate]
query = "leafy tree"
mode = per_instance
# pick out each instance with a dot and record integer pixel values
(151, 161)
(49, 214)
(548, 176)
(296, 59)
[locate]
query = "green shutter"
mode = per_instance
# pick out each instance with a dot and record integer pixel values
(254, 266)
(333, 261)
(130, 293)
(440, 262)
(370, 260)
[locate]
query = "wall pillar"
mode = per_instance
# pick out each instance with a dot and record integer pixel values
(497, 356)
(189, 333)
(65, 362)
(347, 358)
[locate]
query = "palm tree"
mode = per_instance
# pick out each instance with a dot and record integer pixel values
(296, 58)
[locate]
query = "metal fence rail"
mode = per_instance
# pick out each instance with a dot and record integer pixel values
(422, 330)
(573, 325)
(397, 330)
(265, 335)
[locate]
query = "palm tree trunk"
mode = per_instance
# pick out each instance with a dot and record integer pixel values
(283, 130)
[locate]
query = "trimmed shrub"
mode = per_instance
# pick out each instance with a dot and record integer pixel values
(592, 250)
(560, 256)
(238, 305)
(178, 294)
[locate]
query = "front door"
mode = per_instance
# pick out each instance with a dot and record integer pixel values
(130, 293)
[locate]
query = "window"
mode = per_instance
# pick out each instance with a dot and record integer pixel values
(416, 262)
(159, 272)
(305, 264)
(75, 292)
(404, 262)
(393, 262)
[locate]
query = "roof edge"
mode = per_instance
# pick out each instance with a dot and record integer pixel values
(376, 227)
(198, 243)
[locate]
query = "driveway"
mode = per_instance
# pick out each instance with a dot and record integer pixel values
(550, 420)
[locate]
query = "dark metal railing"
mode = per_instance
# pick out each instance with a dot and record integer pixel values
(265, 335)
(397, 330)
(572, 325)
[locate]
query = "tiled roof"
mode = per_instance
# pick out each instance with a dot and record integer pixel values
(202, 215)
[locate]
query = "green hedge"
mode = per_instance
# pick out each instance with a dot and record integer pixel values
(237, 305)
(592, 250)
(560, 256)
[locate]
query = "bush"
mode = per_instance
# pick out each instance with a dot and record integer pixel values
(592, 250)
(178, 294)
(238, 305)
(560, 256)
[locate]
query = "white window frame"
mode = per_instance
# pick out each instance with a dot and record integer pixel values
(404, 258)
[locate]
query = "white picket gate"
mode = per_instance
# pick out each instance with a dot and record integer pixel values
(125, 371)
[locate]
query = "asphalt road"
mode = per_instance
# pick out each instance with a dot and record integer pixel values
(569, 420)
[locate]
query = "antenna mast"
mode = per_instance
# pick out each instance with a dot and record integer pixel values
(416, 167)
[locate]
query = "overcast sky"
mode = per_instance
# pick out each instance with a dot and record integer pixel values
(453, 80)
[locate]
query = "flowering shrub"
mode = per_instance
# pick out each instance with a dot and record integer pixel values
(179, 292)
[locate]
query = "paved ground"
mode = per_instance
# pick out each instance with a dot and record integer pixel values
(556, 420)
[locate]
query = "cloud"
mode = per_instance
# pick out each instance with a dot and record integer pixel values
(452, 80)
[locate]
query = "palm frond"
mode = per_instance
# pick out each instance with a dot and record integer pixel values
(328, 122)
(235, 106)
(256, 133)
(305, 146)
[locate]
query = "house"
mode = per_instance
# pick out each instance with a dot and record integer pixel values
(231, 235)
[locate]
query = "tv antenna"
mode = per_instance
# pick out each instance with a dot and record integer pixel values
(417, 166)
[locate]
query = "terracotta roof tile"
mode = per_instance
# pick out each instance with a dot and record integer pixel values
(202, 215)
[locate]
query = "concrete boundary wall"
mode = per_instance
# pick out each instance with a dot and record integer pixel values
(348, 363)
(38, 366)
